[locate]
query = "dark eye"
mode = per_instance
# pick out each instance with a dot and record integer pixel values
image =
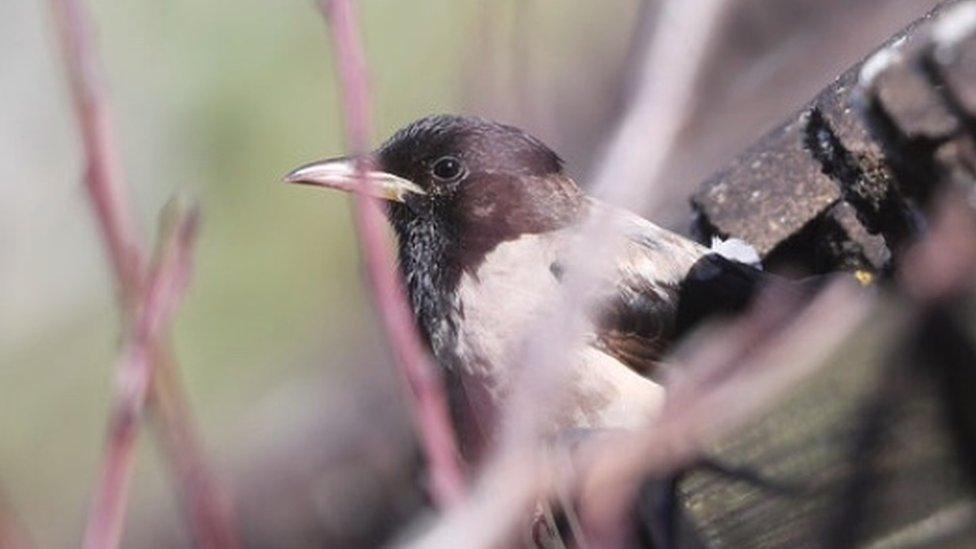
(448, 169)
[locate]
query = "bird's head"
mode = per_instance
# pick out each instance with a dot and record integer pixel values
(472, 182)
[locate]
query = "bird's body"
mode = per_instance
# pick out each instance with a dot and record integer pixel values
(516, 287)
(486, 222)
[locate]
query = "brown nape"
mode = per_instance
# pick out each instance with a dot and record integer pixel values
(493, 208)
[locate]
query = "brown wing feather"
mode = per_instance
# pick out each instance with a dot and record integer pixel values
(636, 325)
(666, 285)
(636, 321)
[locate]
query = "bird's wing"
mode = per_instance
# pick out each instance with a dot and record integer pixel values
(664, 284)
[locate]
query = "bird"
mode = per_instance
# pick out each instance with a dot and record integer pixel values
(484, 217)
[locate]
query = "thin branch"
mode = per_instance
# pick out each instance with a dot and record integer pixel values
(206, 503)
(663, 101)
(111, 198)
(430, 407)
(709, 409)
(610, 471)
(163, 293)
(646, 137)
(630, 173)
(104, 177)
(757, 372)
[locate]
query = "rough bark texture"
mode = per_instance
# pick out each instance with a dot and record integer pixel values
(845, 183)
(877, 449)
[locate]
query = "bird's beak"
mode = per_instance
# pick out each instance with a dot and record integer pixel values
(344, 174)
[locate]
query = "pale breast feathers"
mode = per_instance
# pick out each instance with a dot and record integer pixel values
(518, 283)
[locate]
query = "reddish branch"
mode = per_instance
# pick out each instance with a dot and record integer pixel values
(646, 137)
(163, 292)
(104, 175)
(110, 196)
(429, 400)
(733, 375)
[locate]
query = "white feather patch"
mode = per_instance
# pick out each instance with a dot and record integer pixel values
(737, 249)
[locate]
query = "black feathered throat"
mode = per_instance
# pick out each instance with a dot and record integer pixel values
(428, 246)
(428, 249)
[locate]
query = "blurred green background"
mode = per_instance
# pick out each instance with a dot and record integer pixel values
(221, 99)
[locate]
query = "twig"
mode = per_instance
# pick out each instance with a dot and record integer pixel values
(206, 502)
(611, 471)
(163, 292)
(209, 511)
(429, 400)
(708, 410)
(104, 177)
(646, 137)
(662, 103)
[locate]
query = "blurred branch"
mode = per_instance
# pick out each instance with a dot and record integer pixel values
(633, 165)
(733, 375)
(736, 373)
(703, 408)
(663, 100)
(165, 289)
(104, 180)
(630, 173)
(940, 269)
(430, 407)
(104, 177)
(206, 502)
(730, 377)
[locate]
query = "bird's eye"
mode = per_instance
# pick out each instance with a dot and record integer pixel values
(448, 169)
